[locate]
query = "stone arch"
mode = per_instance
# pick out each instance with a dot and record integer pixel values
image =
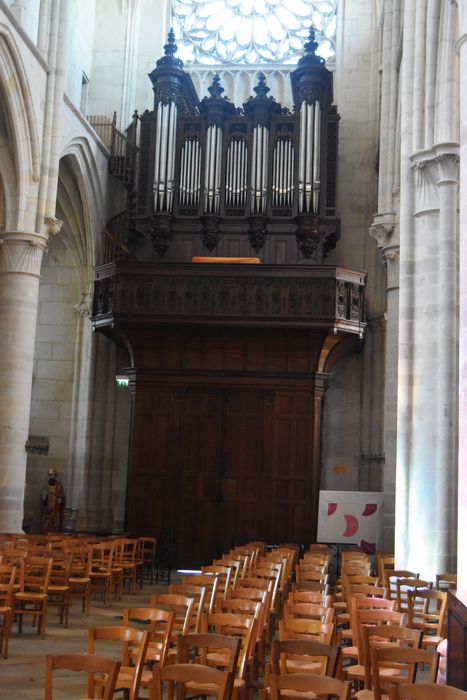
(22, 127)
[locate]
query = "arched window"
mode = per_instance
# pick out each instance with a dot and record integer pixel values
(220, 32)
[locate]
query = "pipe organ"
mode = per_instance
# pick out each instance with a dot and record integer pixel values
(218, 179)
(228, 362)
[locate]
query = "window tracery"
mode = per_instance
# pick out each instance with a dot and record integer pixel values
(214, 32)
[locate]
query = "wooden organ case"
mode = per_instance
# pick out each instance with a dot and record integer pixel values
(229, 361)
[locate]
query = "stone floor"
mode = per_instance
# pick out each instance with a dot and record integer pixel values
(22, 674)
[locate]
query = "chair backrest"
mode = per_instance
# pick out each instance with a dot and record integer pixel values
(198, 594)
(216, 682)
(182, 606)
(198, 646)
(426, 610)
(384, 566)
(325, 654)
(129, 637)
(87, 663)
(237, 625)
(382, 635)
(210, 583)
(101, 555)
(310, 611)
(160, 628)
(307, 683)
(37, 572)
(147, 549)
(426, 691)
(7, 581)
(404, 586)
(362, 617)
(404, 661)
(293, 628)
(224, 574)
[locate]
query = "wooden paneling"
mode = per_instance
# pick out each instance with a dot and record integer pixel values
(457, 645)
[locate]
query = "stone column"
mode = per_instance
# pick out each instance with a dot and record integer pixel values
(462, 473)
(20, 264)
(385, 232)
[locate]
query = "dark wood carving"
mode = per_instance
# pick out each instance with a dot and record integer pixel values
(457, 645)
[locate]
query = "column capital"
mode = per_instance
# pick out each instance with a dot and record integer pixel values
(22, 252)
(448, 168)
(382, 229)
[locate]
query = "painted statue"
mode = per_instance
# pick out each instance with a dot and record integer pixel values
(52, 504)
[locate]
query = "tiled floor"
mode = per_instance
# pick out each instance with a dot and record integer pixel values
(22, 674)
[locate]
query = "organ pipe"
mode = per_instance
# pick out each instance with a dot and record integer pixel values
(235, 181)
(283, 168)
(164, 157)
(309, 157)
(259, 169)
(189, 173)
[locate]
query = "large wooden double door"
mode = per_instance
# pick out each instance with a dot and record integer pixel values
(221, 465)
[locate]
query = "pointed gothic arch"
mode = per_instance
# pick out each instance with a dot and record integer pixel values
(22, 124)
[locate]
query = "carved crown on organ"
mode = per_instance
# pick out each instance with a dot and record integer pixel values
(213, 178)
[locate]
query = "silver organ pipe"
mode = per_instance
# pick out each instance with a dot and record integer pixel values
(309, 157)
(259, 169)
(316, 157)
(283, 169)
(164, 166)
(189, 173)
(235, 180)
(212, 180)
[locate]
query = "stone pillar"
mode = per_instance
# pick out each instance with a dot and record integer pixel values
(20, 264)
(385, 232)
(462, 473)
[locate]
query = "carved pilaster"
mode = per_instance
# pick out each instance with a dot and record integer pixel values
(22, 252)
(391, 258)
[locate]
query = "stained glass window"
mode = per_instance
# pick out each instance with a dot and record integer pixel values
(214, 32)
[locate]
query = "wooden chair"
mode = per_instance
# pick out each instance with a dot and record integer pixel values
(100, 572)
(129, 566)
(403, 662)
(198, 595)
(394, 575)
(146, 558)
(241, 626)
(224, 574)
(385, 564)
(315, 597)
(406, 586)
(80, 576)
(130, 674)
(313, 586)
(426, 691)
(384, 636)
(7, 581)
(306, 685)
(303, 656)
(160, 630)
(427, 612)
(206, 680)
(362, 617)
(211, 583)
(90, 664)
(59, 589)
(195, 648)
(116, 568)
(32, 599)
(182, 608)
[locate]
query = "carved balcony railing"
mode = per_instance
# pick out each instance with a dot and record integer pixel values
(322, 296)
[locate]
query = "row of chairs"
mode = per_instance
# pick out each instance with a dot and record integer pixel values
(37, 572)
